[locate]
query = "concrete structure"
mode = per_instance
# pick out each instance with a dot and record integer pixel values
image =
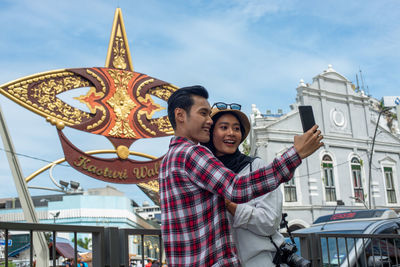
(94, 207)
(149, 212)
(338, 171)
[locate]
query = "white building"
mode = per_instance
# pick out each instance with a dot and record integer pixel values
(95, 207)
(347, 118)
(148, 212)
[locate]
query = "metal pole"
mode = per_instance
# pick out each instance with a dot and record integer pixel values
(40, 244)
(370, 157)
(54, 248)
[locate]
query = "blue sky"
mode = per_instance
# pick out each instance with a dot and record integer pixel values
(245, 51)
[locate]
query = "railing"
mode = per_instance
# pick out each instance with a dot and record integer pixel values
(350, 249)
(111, 245)
(97, 238)
(142, 233)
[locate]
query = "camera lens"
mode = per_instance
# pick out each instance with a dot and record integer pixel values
(297, 261)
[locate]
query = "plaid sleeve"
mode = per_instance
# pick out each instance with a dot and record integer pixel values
(208, 172)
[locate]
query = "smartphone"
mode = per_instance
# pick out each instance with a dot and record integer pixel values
(307, 117)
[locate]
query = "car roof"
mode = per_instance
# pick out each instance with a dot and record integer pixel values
(357, 214)
(354, 221)
(342, 226)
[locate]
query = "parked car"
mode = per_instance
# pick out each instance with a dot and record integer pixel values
(350, 238)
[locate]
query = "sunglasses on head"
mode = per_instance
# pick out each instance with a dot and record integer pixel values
(222, 106)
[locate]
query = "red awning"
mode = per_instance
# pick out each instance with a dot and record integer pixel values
(64, 249)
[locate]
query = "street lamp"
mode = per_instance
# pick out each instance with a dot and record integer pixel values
(74, 185)
(64, 183)
(55, 215)
(384, 109)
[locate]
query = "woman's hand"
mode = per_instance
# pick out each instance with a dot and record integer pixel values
(230, 206)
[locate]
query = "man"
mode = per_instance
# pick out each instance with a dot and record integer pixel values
(194, 184)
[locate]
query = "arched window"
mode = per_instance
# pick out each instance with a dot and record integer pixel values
(329, 180)
(357, 181)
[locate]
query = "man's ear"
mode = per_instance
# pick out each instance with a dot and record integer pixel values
(180, 115)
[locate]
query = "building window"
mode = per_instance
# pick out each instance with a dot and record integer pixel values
(357, 182)
(290, 191)
(390, 191)
(329, 181)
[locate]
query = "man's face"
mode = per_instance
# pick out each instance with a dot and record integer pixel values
(197, 122)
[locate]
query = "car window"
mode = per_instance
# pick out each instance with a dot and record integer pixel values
(334, 250)
(388, 228)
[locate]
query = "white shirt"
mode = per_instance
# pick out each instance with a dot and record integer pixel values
(254, 222)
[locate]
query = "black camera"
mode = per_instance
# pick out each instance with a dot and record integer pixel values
(286, 253)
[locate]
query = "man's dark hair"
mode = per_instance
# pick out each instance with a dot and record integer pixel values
(182, 98)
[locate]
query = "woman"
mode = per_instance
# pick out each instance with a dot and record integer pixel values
(254, 222)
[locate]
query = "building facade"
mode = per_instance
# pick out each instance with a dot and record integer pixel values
(336, 177)
(107, 207)
(95, 207)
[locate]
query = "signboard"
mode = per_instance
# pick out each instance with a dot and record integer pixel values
(3, 242)
(121, 104)
(391, 101)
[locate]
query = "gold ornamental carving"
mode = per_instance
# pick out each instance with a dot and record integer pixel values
(119, 52)
(122, 104)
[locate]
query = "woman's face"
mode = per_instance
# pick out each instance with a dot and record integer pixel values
(227, 135)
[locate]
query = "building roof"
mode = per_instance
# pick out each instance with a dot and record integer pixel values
(65, 248)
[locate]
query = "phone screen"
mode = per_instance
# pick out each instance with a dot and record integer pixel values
(307, 117)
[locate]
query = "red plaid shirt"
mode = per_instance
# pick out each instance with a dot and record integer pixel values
(193, 185)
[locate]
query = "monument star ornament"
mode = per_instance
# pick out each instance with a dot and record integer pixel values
(120, 108)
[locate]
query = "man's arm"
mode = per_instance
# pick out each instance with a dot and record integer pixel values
(209, 173)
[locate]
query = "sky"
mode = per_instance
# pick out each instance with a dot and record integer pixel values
(242, 51)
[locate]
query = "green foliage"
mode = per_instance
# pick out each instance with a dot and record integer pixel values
(246, 147)
(83, 242)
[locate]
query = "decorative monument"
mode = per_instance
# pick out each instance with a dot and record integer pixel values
(121, 109)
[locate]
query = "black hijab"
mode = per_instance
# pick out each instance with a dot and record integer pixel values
(236, 161)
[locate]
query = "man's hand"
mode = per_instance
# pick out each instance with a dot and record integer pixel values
(309, 142)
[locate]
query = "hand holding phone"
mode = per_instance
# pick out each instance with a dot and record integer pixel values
(307, 117)
(310, 141)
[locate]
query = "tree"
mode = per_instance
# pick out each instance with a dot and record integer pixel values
(83, 242)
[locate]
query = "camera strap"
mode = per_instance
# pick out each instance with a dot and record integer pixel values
(277, 249)
(273, 243)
